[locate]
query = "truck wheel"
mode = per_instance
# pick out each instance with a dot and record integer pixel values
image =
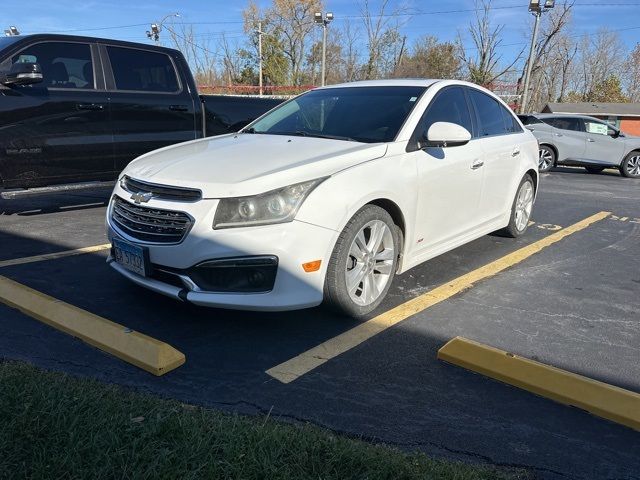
(363, 263)
(521, 209)
(631, 165)
(546, 158)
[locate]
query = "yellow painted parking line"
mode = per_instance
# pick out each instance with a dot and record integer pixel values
(305, 362)
(601, 399)
(136, 348)
(53, 256)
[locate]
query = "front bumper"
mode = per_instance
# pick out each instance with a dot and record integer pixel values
(293, 243)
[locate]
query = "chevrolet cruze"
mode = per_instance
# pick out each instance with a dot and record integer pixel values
(325, 198)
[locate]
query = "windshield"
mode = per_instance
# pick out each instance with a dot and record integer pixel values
(360, 114)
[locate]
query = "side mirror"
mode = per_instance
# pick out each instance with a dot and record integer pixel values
(446, 134)
(22, 74)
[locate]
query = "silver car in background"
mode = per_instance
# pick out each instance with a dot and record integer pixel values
(578, 140)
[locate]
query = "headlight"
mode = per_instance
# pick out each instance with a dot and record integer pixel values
(276, 206)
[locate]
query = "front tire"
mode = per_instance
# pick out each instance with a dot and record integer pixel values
(631, 165)
(363, 263)
(521, 209)
(546, 158)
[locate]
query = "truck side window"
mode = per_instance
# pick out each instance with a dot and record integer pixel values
(142, 70)
(63, 64)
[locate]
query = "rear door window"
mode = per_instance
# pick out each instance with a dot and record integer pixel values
(564, 123)
(142, 70)
(63, 64)
(490, 115)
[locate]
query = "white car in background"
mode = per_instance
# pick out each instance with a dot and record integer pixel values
(579, 140)
(326, 197)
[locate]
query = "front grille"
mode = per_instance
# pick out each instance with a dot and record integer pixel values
(149, 224)
(163, 192)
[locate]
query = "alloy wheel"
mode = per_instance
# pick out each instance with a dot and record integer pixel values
(524, 205)
(369, 263)
(633, 165)
(545, 159)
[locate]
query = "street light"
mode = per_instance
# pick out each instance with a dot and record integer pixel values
(156, 28)
(537, 9)
(12, 32)
(323, 21)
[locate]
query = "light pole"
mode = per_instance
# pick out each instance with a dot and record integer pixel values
(537, 10)
(156, 28)
(12, 31)
(260, 57)
(323, 21)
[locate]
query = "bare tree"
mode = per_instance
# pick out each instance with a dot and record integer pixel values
(553, 55)
(631, 74)
(383, 36)
(429, 58)
(483, 65)
(198, 53)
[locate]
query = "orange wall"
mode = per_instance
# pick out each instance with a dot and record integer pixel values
(630, 126)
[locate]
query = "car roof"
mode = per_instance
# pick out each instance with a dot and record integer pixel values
(81, 38)
(404, 82)
(561, 115)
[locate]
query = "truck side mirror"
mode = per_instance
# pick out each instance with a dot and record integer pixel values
(22, 73)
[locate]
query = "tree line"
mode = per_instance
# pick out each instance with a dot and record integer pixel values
(568, 67)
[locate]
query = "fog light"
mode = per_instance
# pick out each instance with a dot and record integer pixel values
(240, 274)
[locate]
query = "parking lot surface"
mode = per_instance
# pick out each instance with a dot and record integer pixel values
(575, 305)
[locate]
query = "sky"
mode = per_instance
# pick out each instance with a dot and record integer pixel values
(444, 19)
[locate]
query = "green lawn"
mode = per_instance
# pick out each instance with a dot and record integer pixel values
(54, 426)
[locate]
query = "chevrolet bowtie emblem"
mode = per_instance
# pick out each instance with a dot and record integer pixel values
(141, 197)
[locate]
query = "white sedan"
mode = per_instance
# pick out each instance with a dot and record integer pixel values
(325, 198)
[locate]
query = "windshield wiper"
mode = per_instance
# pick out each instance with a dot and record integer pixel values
(303, 133)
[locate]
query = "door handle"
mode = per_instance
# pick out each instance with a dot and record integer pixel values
(515, 152)
(476, 164)
(90, 106)
(558, 134)
(178, 108)
(590, 140)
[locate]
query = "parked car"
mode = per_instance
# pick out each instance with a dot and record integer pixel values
(578, 140)
(325, 198)
(77, 109)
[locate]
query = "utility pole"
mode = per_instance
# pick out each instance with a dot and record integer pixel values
(323, 21)
(260, 57)
(537, 10)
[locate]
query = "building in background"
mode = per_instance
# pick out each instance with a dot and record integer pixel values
(625, 116)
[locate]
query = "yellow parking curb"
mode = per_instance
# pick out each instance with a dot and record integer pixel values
(136, 348)
(601, 399)
(55, 255)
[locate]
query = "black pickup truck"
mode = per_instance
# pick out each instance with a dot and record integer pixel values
(77, 109)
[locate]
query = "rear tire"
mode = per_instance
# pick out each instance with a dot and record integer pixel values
(546, 158)
(594, 170)
(631, 165)
(520, 209)
(363, 263)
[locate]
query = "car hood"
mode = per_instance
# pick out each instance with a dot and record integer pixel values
(247, 164)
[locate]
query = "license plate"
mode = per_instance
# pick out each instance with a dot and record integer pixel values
(132, 257)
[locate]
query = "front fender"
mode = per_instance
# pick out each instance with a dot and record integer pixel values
(333, 203)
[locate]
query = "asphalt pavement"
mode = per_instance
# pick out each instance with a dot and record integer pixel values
(575, 305)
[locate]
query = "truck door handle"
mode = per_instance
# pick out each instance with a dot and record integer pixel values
(476, 164)
(590, 140)
(90, 106)
(558, 134)
(178, 108)
(515, 152)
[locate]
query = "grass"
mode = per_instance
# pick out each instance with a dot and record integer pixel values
(56, 426)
